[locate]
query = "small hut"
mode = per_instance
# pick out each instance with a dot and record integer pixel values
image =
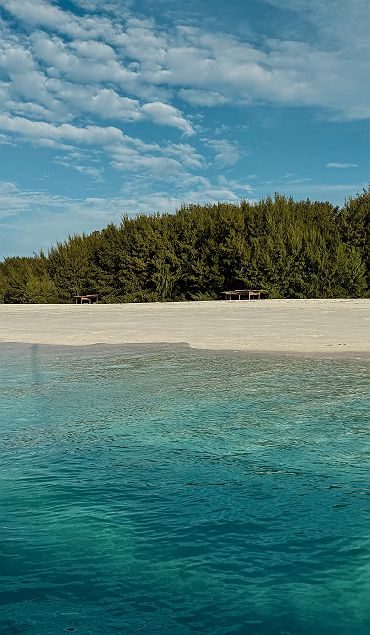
(91, 298)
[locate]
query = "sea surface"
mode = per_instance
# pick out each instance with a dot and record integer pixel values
(168, 490)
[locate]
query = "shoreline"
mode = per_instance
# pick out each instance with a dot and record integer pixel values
(102, 349)
(325, 327)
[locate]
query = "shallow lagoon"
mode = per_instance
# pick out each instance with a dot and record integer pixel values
(167, 490)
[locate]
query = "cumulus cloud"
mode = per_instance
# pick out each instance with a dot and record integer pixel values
(125, 152)
(26, 79)
(199, 97)
(88, 79)
(69, 80)
(40, 13)
(105, 103)
(44, 130)
(62, 59)
(188, 156)
(93, 49)
(208, 68)
(166, 115)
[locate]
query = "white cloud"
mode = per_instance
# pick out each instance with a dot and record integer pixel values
(62, 59)
(342, 166)
(105, 103)
(133, 56)
(166, 115)
(198, 97)
(65, 132)
(94, 172)
(39, 218)
(93, 49)
(5, 140)
(126, 153)
(26, 80)
(70, 83)
(130, 160)
(68, 77)
(14, 201)
(40, 13)
(188, 156)
(226, 152)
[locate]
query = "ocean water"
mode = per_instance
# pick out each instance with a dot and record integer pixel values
(166, 490)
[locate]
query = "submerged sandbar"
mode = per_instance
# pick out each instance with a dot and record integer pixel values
(317, 326)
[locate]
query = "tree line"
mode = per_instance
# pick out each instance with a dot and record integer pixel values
(289, 249)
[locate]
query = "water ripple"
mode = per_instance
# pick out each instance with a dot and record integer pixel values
(159, 490)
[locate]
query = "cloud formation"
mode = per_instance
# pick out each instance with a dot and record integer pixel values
(342, 166)
(201, 67)
(26, 215)
(227, 153)
(109, 90)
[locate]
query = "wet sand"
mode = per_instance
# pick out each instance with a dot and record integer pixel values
(317, 326)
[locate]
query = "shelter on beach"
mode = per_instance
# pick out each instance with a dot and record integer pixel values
(242, 294)
(91, 298)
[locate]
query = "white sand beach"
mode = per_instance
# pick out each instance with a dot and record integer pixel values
(316, 326)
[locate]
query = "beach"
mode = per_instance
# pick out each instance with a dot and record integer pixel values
(185, 467)
(291, 326)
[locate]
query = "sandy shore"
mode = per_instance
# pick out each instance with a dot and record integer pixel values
(265, 325)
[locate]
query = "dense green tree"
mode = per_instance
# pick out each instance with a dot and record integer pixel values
(26, 280)
(40, 289)
(69, 266)
(290, 249)
(354, 227)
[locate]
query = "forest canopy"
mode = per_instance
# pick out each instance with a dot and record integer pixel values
(287, 248)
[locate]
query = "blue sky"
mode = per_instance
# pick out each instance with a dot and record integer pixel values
(129, 106)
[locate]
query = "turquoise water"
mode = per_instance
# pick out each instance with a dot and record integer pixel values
(164, 490)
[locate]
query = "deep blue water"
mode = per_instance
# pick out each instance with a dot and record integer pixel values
(164, 490)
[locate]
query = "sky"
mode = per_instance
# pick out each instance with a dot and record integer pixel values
(140, 106)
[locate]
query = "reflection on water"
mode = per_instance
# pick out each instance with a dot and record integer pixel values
(165, 490)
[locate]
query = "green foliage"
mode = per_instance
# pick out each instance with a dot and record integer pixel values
(26, 280)
(290, 249)
(354, 227)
